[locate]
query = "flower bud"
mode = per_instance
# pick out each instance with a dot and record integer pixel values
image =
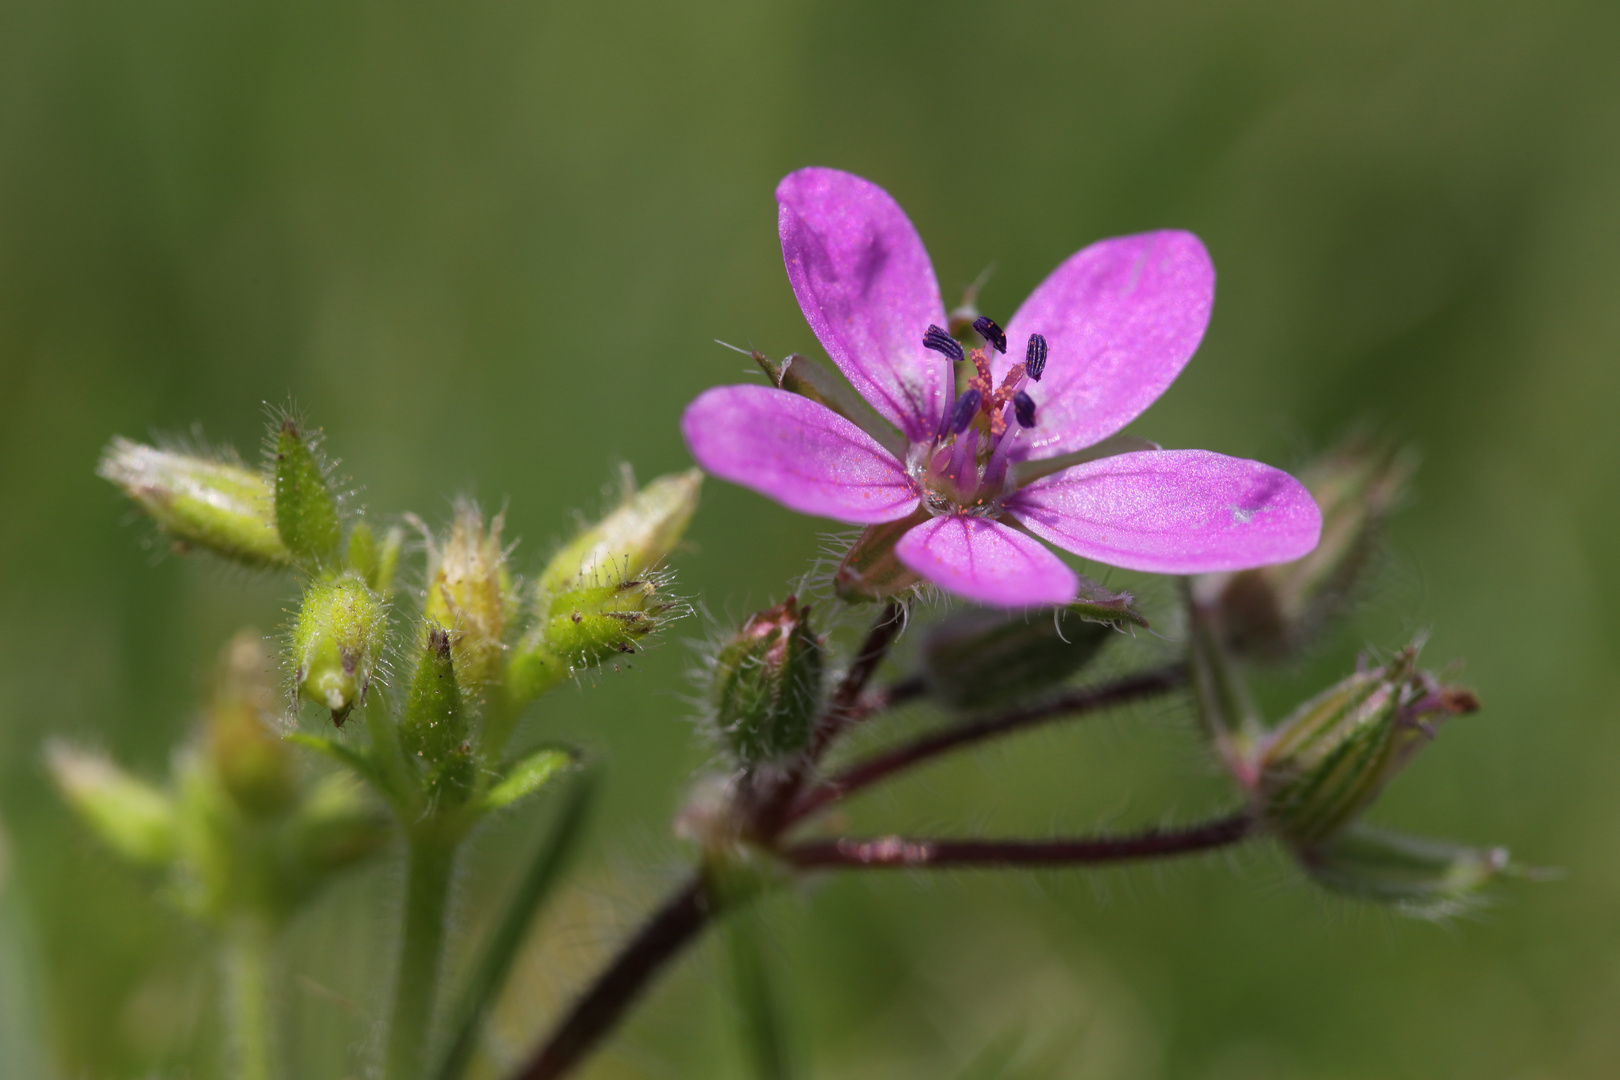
(1422, 877)
(582, 627)
(870, 569)
(980, 658)
(218, 506)
(306, 506)
(134, 818)
(1274, 610)
(337, 637)
(253, 763)
(630, 540)
(766, 685)
(470, 594)
(435, 724)
(1328, 761)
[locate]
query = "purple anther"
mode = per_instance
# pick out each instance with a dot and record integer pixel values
(1035, 358)
(1024, 409)
(966, 407)
(941, 342)
(992, 333)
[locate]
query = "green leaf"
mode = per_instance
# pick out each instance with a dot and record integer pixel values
(499, 952)
(527, 775)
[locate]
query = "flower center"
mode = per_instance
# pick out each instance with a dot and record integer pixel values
(963, 469)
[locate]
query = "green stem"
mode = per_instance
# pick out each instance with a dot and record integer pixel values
(246, 959)
(430, 862)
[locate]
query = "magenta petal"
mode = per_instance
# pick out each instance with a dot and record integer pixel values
(1173, 512)
(1121, 319)
(867, 288)
(803, 455)
(986, 561)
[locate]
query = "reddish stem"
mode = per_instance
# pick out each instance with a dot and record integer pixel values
(770, 805)
(897, 851)
(669, 930)
(885, 764)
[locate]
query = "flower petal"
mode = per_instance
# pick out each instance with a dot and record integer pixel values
(803, 455)
(1173, 512)
(867, 288)
(986, 561)
(1121, 319)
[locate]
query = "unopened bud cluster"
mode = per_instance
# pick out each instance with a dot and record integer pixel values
(240, 830)
(483, 645)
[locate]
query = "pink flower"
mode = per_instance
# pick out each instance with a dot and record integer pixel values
(1101, 339)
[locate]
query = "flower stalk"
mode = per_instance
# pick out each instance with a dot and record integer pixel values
(430, 863)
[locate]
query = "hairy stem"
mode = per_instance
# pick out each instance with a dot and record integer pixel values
(246, 958)
(889, 762)
(430, 861)
(896, 851)
(675, 924)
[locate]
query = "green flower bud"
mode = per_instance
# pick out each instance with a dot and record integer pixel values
(470, 594)
(870, 569)
(1275, 610)
(1426, 878)
(134, 818)
(336, 640)
(980, 658)
(583, 627)
(254, 764)
(306, 507)
(630, 540)
(435, 726)
(1328, 761)
(218, 506)
(767, 685)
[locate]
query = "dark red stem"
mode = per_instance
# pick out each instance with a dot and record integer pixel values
(898, 851)
(770, 805)
(665, 934)
(885, 764)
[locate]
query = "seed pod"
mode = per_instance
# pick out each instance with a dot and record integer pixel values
(767, 685)
(337, 637)
(218, 506)
(1327, 762)
(1418, 876)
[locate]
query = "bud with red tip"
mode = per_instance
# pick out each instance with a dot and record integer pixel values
(767, 685)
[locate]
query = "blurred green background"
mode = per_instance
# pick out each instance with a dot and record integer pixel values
(487, 245)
